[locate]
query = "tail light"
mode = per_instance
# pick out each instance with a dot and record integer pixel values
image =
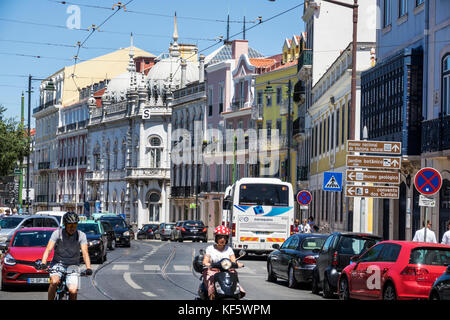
(163, 230)
(204, 229)
(183, 229)
(178, 228)
(414, 271)
(335, 259)
(233, 234)
(309, 260)
(292, 229)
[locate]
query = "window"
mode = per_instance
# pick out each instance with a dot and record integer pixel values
(349, 115)
(220, 99)
(446, 85)
(293, 244)
(269, 129)
(279, 96)
(338, 111)
(154, 206)
(155, 152)
(372, 254)
(285, 245)
(386, 13)
(390, 252)
(259, 97)
(210, 101)
(402, 8)
(327, 244)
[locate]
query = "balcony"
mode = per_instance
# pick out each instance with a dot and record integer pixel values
(44, 106)
(43, 165)
(436, 134)
(148, 173)
(237, 105)
(42, 198)
(304, 64)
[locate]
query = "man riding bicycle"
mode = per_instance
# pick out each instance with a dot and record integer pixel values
(67, 243)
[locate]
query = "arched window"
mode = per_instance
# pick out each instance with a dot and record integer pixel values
(155, 151)
(154, 206)
(97, 161)
(116, 153)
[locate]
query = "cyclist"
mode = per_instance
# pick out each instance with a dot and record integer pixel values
(67, 243)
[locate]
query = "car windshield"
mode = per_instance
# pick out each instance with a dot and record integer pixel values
(264, 195)
(32, 238)
(355, 245)
(311, 243)
(89, 228)
(117, 223)
(193, 224)
(10, 223)
(169, 226)
(430, 256)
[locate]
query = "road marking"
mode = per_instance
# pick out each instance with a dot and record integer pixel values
(152, 267)
(130, 282)
(121, 267)
(181, 268)
(149, 294)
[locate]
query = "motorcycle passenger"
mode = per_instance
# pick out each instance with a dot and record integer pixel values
(215, 253)
(67, 243)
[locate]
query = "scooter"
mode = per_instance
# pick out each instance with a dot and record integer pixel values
(226, 283)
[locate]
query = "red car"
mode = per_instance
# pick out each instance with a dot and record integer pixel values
(26, 247)
(393, 270)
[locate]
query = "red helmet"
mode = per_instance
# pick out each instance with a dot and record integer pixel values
(222, 230)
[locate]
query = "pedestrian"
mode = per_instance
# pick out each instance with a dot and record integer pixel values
(306, 227)
(420, 234)
(298, 228)
(446, 237)
(312, 224)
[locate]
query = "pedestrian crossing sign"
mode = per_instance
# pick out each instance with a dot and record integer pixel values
(332, 181)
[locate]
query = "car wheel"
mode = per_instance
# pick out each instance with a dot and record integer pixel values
(292, 283)
(5, 287)
(434, 296)
(180, 240)
(315, 285)
(270, 276)
(344, 291)
(326, 291)
(389, 292)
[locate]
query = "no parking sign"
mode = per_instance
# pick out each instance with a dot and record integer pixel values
(304, 197)
(428, 181)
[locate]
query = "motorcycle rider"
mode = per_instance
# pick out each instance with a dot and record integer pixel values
(215, 253)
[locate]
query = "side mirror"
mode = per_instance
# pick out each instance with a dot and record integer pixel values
(276, 246)
(242, 253)
(202, 252)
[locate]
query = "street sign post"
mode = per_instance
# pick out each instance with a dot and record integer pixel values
(385, 147)
(372, 191)
(373, 176)
(377, 162)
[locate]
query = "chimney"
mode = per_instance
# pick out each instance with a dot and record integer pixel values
(183, 73)
(238, 48)
(201, 69)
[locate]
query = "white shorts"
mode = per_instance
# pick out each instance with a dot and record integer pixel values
(72, 274)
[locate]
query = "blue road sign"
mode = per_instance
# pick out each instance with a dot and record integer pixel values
(332, 181)
(304, 197)
(428, 181)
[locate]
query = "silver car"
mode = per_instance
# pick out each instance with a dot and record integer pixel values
(164, 231)
(9, 225)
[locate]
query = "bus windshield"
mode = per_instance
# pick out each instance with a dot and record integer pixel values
(264, 195)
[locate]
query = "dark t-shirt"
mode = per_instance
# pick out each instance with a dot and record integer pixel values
(67, 248)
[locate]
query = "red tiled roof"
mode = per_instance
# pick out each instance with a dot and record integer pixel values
(261, 62)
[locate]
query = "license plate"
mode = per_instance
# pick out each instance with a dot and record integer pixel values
(194, 230)
(38, 280)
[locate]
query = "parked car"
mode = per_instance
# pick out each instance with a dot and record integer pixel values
(9, 225)
(147, 231)
(26, 247)
(97, 240)
(295, 260)
(57, 214)
(164, 231)
(394, 270)
(194, 230)
(111, 235)
(122, 230)
(441, 287)
(335, 255)
(175, 228)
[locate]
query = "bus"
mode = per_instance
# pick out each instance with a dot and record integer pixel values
(226, 214)
(261, 213)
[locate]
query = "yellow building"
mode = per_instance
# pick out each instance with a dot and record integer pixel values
(273, 107)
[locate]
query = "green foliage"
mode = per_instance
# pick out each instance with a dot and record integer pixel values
(14, 144)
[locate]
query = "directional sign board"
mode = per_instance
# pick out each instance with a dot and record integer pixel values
(428, 181)
(386, 147)
(304, 197)
(377, 162)
(373, 176)
(372, 191)
(332, 181)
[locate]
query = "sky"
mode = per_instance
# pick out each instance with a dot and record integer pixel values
(50, 29)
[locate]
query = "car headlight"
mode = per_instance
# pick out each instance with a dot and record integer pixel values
(3, 238)
(126, 233)
(9, 260)
(226, 264)
(94, 242)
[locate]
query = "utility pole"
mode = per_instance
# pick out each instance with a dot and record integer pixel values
(288, 131)
(21, 163)
(29, 143)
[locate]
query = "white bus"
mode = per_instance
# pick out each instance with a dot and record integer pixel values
(262, 213)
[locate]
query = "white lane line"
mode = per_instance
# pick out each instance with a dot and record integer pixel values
(181, 268)
(246, 270)
(121, 267)
(130, 282)
(149, 294)
(152, 267)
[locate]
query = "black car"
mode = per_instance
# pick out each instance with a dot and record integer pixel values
(107, 227)
(194, 230)
(441, 287)
(121, 229)
(335, 255)
(295, 260)
(147, 231)
(97, 241)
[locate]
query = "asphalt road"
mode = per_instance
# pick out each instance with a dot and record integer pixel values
(156, 270)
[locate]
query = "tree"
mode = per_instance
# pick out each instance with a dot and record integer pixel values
(14, 144)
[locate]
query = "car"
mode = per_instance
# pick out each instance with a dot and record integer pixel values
(111, 235)
(97, 240)
(394, 270)
(295, 260)
(164, 231)
(9, 225)
(121, 229)
(441, 287)
(335, 255)
(194, 230)
(147, 231)
(57, 214)
(175, 228)
(27, 245)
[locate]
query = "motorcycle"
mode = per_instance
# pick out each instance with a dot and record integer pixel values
(226, 283)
